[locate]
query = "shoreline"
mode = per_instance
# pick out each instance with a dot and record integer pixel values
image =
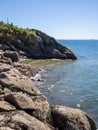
(38, 107)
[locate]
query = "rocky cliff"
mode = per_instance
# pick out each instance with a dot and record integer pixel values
(32, 43)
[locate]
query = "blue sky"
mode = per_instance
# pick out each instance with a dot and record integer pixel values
(62, 19)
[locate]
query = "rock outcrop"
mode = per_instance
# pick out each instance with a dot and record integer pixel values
(21, 102)
(66, 118)
(31, 43)
(20, 120)
(42, 46)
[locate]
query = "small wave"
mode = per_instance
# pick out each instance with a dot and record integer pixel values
(62, 91)
(51, 87)
(38, 77)
(78, 105)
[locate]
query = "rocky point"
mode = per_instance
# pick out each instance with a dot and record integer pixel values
(22, 106)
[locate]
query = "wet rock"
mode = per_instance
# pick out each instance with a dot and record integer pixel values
(28, 70)
(66, 118)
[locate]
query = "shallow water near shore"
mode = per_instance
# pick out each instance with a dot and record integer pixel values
(72, 83)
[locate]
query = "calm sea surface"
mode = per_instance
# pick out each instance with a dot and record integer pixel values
(73, 83)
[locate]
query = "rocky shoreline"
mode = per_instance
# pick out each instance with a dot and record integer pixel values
(22, 106)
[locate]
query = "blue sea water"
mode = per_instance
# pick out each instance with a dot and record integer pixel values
(74, 83)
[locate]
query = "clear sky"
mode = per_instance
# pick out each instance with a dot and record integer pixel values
(62, 19)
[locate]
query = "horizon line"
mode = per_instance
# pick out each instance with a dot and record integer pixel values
(74, 39)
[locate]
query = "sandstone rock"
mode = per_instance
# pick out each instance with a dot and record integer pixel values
(17, 82)
(20, 100)
(6, 128)
(19, 120)
(5, 106)
(6, 90)
(4, 67)
(66, 118)
(12, 55)
(42, 111)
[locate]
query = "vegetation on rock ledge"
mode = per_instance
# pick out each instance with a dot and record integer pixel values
(33, 43)
(10, 32)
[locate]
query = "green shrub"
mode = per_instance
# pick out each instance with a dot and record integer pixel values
(10, 32)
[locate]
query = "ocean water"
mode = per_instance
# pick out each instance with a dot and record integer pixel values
(73, 83)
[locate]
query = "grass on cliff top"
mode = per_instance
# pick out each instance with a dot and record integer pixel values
(10, 32)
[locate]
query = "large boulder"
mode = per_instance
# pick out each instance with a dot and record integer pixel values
(14, 56)
(20, 100)
(4, 59)
(35, 105)
(42, 111)
(66, 118)
(19, 120)
(15, 81)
